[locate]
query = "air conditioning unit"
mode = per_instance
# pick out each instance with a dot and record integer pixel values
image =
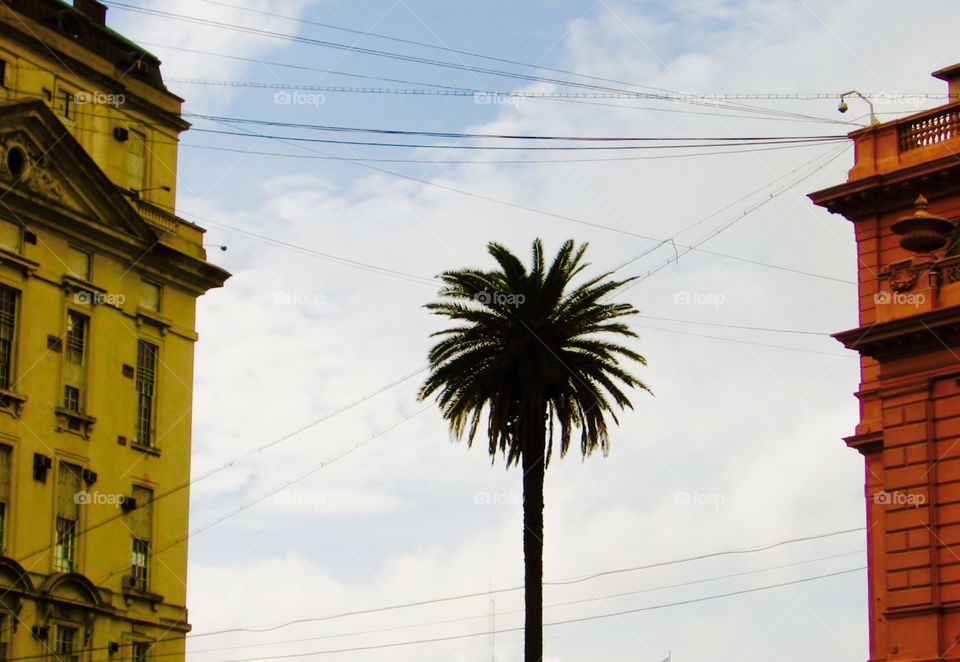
(128, 504)
(40, 632)
(120, 133)
(129, 583)
(41, 465)
(89, 476)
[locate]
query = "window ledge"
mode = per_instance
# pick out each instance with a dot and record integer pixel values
(130, 594)
(75, 283)
(12, 402)
(152, 317)
(150, 450)
(18, 261)
(74, 422)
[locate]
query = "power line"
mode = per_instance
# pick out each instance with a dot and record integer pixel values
(568, 621)
(437, 63)
(507, 136)
(735, 326)
(556, 623)
(696, 245)
(419, 603)
(813, 163)
(525, 148)
(549, 214)
(447, 621)
(583, 99)
(534, 161)
(272, 491)
(438, 90)
(233, 461)
(746, 342)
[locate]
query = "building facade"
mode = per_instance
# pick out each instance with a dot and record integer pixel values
(903, 198)
(98, 286)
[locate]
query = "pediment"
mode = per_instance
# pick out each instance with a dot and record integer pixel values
(42, 162)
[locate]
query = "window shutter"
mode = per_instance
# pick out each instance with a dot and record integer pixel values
(78, 263)
(68, 485)
(5, 454)
(149, 295)
(10, 236)
(141, 522)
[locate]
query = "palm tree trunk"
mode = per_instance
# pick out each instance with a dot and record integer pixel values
(532, 463)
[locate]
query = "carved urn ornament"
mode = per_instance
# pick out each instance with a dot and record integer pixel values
(922, 232)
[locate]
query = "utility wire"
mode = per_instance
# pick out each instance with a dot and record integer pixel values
(746, 342)
(438, 90)
(437, 63)
(553, 605)
(567, 621)
(734, 326)
(525, 148)
(463, 596)
(233, 461)
(272, 491)
(460, 90)
(514, 205)
(534, 161)
(504, 136)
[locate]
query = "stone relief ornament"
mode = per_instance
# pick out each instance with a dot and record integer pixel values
(19, 167)
(903, 277)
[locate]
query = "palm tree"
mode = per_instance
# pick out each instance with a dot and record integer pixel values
(528, 348)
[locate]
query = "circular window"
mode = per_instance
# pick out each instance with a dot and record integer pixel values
(16, 161)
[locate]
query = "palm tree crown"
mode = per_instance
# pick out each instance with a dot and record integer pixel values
(527, 345)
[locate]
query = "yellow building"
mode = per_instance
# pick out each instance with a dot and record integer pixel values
(98, 285)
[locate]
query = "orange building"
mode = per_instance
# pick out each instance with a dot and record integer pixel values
(903, 198)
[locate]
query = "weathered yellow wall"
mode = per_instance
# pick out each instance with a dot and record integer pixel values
(39, 274)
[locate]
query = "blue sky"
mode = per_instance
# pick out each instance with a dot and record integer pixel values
(741, 444)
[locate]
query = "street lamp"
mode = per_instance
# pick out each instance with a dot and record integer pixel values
(843, 105)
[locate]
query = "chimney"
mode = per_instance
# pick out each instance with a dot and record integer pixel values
(950, 74)
(93, 10)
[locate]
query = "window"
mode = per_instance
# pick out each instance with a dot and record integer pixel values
(66, 545)
(71, 398)
(8, 327)
(76, 337)
(65, 646)
(136, 160)
(5, 455)
(149, 295)
(10, 236)
(141, 527)
(68, 514)
(146, 391)
(75, 362)
(78, 263)
(140, 651)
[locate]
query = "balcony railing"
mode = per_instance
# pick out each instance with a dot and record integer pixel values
(930, 129)
(152, 214)
(949, 270)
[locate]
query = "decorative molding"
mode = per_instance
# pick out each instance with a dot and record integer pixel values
(74, 422)
(933, 330)
(903, 276)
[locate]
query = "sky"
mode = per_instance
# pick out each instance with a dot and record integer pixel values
(319, 340)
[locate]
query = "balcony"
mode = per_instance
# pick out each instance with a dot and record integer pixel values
(916, 140)
(172, 230)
